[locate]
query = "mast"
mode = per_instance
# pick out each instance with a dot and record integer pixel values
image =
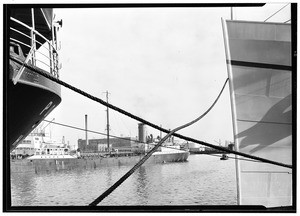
(107, 119)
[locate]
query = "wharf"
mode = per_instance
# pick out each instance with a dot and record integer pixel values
(49, 165)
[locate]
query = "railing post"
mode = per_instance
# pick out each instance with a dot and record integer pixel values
(33, 37)
(50, 58)
(52, 45)
(54, 54)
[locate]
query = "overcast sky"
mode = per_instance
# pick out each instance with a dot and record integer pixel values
(166, 65)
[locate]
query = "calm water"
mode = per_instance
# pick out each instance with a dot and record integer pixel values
(203, 180)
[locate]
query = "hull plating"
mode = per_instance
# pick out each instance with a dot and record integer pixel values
(28, 103)
(259, 68)
(48, 165)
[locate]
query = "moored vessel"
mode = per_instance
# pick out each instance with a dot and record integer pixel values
(52, 156)
(31, 97)
(49, 162)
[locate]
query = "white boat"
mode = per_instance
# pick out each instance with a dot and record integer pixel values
(170, 152)
(37, 145)
(52, 153)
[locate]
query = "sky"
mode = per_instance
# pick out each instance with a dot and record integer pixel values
(165, 65)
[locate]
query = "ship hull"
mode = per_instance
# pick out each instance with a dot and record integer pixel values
(48, 165)
(259, 69)
(29, 101)
(30, 97)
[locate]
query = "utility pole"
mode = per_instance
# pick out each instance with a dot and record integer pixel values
(107, 119)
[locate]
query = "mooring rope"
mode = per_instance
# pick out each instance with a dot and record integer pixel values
(143, 160)
(47, 75)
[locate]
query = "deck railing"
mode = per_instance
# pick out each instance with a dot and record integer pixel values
(46, 56)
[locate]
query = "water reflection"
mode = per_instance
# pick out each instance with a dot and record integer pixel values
(23, 189)
(109, 181)
(141, 188)
(203, 180)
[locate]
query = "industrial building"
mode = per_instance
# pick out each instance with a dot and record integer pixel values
(120, 145)
(100, 145)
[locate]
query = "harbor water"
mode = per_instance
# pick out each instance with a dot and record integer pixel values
(202, 180)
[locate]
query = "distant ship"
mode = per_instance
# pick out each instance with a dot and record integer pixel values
(49, 158)
(39, 145)
(31, 97)
(258, 56)
(45, 155)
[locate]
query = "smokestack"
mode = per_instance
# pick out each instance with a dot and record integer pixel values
(86, 134)
(142, 133)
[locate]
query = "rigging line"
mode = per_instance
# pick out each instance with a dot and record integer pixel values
(143, 160)
(47, 75)
(96, 132)
(287, 21)
(277, 12)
